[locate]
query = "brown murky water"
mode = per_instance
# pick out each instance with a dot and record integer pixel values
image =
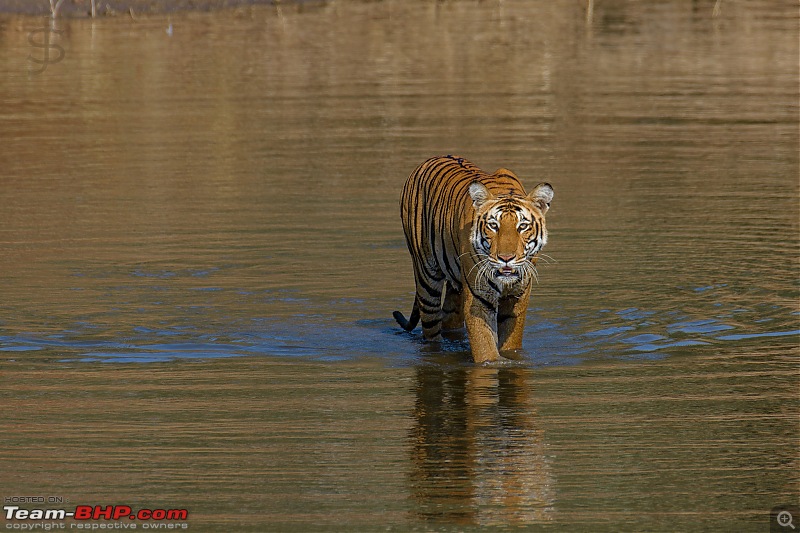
(200, 251)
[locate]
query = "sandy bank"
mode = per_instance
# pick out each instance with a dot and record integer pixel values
(104, 8)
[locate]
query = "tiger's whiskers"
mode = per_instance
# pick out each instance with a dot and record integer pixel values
(547, 258)
(480, 265)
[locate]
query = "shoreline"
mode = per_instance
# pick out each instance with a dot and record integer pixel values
(112, 8)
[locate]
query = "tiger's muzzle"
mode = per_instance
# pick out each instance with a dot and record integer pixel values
(507, 267)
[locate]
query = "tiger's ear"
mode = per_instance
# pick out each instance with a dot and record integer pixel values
(479, 194)
(541, 196)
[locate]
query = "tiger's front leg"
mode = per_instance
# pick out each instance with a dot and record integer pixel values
(481, 322)
(511, 320)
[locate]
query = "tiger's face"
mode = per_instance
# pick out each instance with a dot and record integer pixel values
(508, 233)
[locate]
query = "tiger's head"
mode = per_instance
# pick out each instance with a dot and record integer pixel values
(508, 232)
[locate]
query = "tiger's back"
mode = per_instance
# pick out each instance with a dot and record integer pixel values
(445, 207)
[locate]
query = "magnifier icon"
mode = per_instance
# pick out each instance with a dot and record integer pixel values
(785, 519)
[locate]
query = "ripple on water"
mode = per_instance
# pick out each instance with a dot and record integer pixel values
(549, 340)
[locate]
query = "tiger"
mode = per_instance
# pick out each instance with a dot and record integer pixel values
(474, 240)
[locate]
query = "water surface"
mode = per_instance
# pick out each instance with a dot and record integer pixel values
(200, 251)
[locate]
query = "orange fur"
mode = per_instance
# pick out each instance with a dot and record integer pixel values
(473, 238)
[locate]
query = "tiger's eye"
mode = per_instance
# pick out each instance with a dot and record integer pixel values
(492, 225)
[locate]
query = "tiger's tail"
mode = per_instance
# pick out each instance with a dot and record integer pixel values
(412, 321)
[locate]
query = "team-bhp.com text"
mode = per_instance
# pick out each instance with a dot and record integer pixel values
(92, 517)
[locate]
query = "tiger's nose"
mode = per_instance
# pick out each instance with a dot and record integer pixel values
(507, 258)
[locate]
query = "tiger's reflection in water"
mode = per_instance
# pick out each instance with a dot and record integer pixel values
(477, 456)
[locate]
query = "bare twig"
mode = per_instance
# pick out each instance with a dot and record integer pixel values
(54, 7)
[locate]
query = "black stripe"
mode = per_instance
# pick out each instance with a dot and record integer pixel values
(433, 323)
(447, 266)
(482, 300)
(430, 290)
(428, 307)
(439, 172)
(493, 286)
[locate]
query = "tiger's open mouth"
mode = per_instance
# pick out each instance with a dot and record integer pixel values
(506, 272)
